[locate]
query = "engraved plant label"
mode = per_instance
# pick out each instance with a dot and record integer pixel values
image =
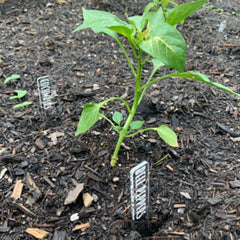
(139, 177)
(44, 92)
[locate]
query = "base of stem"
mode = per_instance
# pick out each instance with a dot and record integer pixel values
(114, 161)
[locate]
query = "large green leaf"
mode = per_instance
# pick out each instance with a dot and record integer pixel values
(167, 135)
(203, 78)
(167, 45)
(98, 21)
(89, 117)
(179, 13)
(156, 19)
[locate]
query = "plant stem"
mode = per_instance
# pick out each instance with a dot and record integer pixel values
(144, 90)
(120, 99)
(159, 78)
(140, 131)
(124, 132)
(127, 57)
(106, 118)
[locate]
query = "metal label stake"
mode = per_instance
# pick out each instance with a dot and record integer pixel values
(139, 177)
(44, 93)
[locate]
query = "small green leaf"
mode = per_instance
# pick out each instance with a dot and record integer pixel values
(167, 45)
(20, 94)
(24, 104)
(167, 135)
(179, 13)
(165, 2)
(138, 22)
(89, 117)
(117, 128)
(117, 117)
(12, 77)
(150, 5)
(136, 125)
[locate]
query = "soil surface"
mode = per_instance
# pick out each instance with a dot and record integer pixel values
(194, 191)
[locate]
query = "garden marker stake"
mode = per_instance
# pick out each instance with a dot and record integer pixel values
(152, 36)
(139, 179)
(44, 93)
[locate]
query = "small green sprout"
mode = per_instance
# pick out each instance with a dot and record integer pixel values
(208, 7)
(218, 10)
(20, 94)
(11, 78)
(235, 14)
(23, 104)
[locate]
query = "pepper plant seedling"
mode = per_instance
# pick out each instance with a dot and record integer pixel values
(23, 104)
(11, 78)
(20, 94)
(152, 35)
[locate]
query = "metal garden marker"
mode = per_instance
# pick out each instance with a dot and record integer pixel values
(44, 93)
(139, 177)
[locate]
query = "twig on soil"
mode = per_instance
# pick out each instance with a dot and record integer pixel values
(21, 208)
(11, 159)
(226, 129)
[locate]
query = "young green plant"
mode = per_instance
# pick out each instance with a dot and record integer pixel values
(22, 105)
(151, 36)
(20, 93)
(11, 78)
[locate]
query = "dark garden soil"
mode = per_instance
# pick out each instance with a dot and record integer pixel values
(195, 190)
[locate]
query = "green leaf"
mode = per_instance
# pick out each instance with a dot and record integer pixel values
(156, 19)
(138, 22)
(136, 125)
(12, 77)
(117, 128)
(99, 21)
(117, 117)
(20, 94)
(157, 64)
(89, 117)
(203, 78)
(151, 5)
(179, 13)
(167, 45)
(24, 104)
(167, 135)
